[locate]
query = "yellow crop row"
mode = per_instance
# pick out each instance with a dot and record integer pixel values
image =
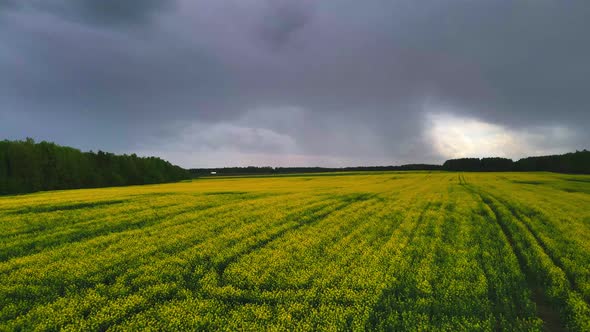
(384, 251)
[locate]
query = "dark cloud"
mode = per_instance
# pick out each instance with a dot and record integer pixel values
(282, 20)
(8, 4)
(114, 11)
(526, 58)
(347, 81)
(94, 11)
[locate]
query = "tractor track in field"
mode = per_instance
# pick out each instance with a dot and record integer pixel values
(381, 308)
(110, 278)
(516, 214)
(57, 236)
(554, 260)
(402, 251)
(492, 298)
(247, 298)
(318, 213)
(551, 317)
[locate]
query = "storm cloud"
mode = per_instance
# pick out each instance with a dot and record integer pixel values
(298, 82)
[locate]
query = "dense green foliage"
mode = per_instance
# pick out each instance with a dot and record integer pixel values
(28, 167)
(575, 162)
(267, 170)
(479, 165)
(406, 251)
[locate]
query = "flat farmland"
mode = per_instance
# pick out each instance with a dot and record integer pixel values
(394, 251)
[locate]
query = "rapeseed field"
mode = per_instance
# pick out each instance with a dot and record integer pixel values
(349, 251)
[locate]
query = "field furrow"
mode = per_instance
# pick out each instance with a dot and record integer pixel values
(550, 285)
(385, 251)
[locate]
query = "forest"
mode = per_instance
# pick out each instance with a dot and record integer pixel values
(575, 162)
(26, 166)
(267, 170)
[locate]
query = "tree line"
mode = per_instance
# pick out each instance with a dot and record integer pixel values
(573, 162)
(26, 166)
(267, 170)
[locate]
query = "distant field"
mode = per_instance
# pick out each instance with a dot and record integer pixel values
(388, 251)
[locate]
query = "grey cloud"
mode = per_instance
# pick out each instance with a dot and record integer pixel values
(282, 20)
(525, 59)
(8, 4)
(95, 11)
(342, 79)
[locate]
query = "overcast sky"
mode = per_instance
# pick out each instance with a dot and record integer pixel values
(298, 82)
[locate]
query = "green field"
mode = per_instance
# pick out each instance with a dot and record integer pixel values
(387, 251)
